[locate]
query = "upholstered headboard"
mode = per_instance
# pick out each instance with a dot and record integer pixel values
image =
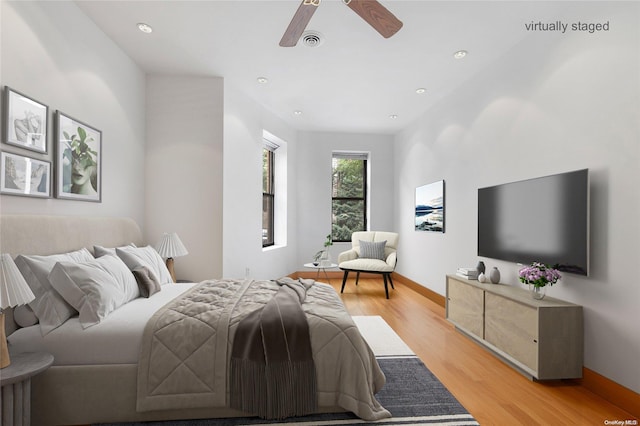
(43, 235)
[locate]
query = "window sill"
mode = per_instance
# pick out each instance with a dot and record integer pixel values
(273, 247)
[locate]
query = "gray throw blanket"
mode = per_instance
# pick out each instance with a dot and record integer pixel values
(273, 374)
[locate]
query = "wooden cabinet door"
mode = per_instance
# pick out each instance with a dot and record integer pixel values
(513, 328)
(465, 306)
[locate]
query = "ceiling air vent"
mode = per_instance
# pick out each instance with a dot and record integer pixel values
(312, 38)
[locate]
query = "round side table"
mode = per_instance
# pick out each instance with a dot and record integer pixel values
(322, 268)
(15, 382)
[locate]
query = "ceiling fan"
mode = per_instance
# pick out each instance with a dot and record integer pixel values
(371, 11)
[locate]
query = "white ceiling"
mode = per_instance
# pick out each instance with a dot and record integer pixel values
(353, 82)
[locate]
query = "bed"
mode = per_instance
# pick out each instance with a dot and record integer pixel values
(95, 373)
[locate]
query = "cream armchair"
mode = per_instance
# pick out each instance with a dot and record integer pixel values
(373, 252)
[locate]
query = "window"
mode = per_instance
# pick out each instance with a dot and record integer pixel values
(274, 191)
(268, 195)
(349, 195)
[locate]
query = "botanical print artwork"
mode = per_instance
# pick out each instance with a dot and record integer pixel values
(430, 207)
(78, 160)
(22, 175)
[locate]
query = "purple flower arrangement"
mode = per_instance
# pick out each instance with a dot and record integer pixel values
(539, 275)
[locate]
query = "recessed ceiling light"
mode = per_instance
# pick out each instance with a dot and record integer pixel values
(262, 80)
(421, 90)
(298, 112)
(460, 54)
(145, 28)
(393, 116)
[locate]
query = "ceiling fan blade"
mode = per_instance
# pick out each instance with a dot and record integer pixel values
(299, 22)
(376, 15)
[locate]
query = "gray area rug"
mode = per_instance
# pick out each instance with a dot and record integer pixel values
(412, 394)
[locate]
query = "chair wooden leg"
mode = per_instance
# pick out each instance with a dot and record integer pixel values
(344, 280)
(357, 277)
(391, 281)
(386, 287)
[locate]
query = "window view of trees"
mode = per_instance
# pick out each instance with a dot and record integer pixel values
(349, 198)
(268, 157)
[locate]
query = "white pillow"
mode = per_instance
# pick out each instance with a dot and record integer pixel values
(95, 288)
(99, 251)
(50, 308)
(135, 257)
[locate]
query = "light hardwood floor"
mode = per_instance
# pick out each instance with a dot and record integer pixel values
(493, 392)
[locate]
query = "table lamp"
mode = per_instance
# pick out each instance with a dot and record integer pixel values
(170, 246)
(14, 291)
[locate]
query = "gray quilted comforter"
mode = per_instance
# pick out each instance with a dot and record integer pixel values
(184, 359)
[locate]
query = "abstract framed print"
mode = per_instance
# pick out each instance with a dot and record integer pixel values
(21, 175)
(25, 121)
(78, 160)
(430, 207)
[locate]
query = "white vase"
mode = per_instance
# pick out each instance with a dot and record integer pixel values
(482, 277)
(325, 259)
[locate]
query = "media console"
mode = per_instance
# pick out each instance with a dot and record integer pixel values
(543, 339)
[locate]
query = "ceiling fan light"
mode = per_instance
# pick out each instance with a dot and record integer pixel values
(297, 112)
(262, 80)
(393, 116)
(420, 90)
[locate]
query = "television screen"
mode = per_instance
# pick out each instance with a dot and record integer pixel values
(543, 220)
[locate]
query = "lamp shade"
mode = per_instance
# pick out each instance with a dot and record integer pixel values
(14, 290)
(170, 246)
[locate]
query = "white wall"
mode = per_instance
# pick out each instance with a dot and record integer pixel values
(184, 162)
(244, 122)
(88, 78)
(314, 187)
(556, 103)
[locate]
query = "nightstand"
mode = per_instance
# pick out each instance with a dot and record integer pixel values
(322, 268)
(15, 382)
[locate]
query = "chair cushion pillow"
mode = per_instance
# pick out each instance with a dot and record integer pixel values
(371, 250)
(366, 265)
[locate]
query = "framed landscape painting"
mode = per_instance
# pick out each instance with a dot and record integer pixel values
(20, 175)
(78, 160)
(430, 207)
(25, 121)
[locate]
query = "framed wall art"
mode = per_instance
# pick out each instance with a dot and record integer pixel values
(21, 175)
(78, 160)
(25, 121)
(430, 207)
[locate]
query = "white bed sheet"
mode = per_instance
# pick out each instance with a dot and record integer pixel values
(115, 340)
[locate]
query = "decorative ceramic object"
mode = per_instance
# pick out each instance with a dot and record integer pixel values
(482, 277)
(494, 276)
(480, 268)
(537, 292)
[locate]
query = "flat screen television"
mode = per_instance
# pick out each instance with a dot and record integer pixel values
(544, 220)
